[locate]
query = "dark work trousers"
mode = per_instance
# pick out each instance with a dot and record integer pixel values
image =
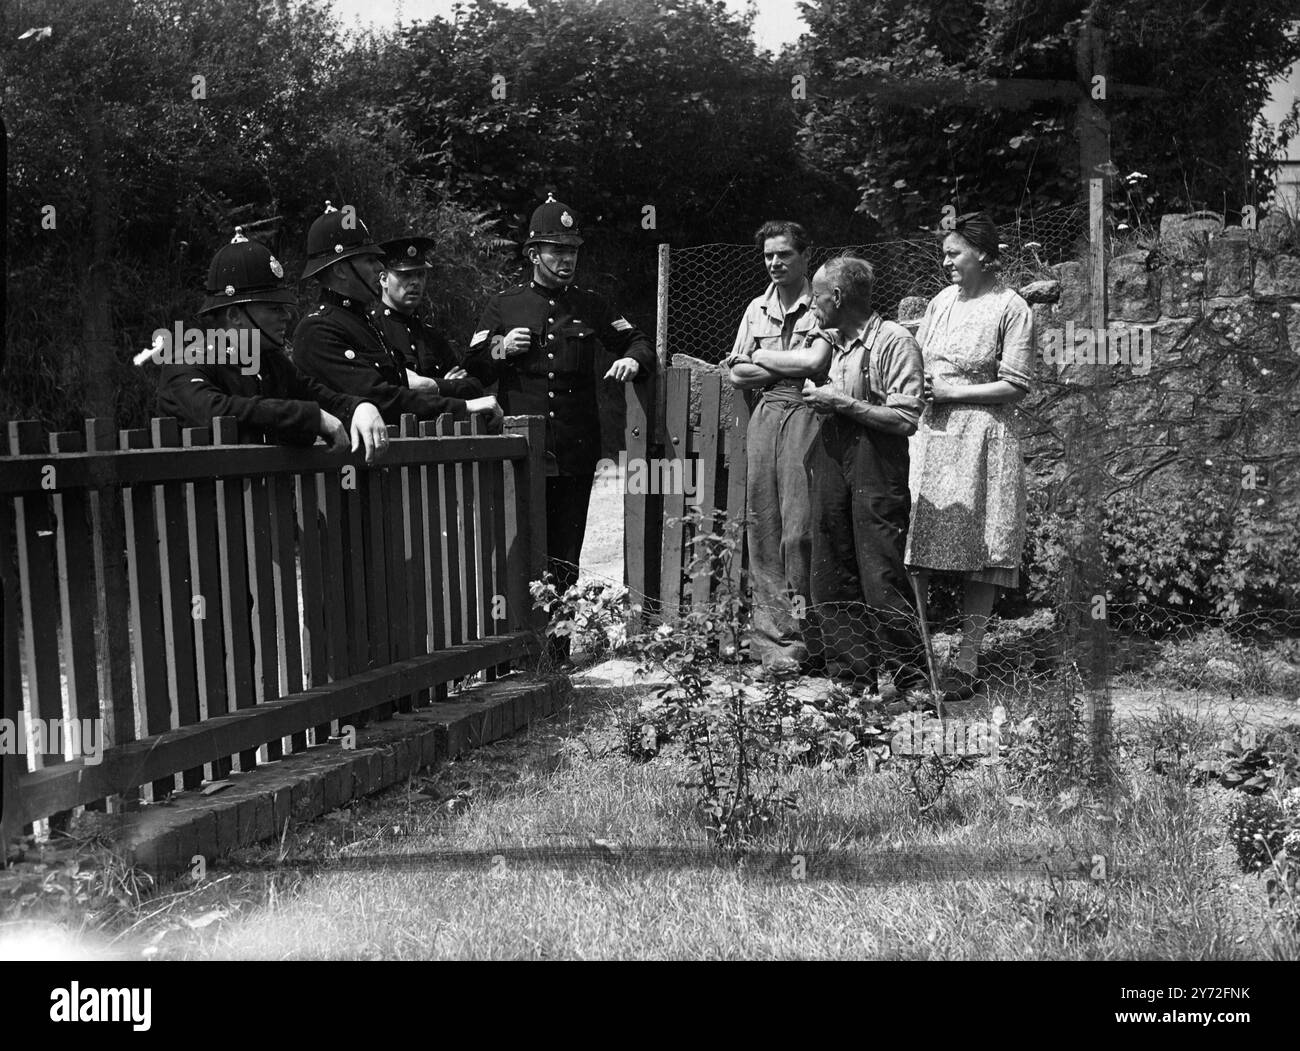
(781, 431)
(567, 499)
(862, 598)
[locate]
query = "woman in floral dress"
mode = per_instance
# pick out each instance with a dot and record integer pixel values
(967, 475)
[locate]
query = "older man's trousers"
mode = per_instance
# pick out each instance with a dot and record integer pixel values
(781, 431)
(862, 598)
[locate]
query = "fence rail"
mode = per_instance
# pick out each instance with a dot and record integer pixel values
(208, 605)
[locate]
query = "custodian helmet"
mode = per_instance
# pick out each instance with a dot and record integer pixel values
(553, 223)
(335, 236)
(244, 271)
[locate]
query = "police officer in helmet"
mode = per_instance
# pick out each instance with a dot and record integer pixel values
(341, 344)
(538, 342)
(431, 364)
(271, 399)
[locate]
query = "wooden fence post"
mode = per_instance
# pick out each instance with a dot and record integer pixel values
(526, 525)
(11, 765)
(643, 512)
(108, 524)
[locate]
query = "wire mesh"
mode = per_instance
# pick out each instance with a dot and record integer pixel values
(710, 285)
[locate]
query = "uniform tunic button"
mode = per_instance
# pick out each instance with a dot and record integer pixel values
(550, 394)
(551, 302)
(550, 375)
(551, 336)
(550, 320)
(551, 415)
(550, 355)
(349, 354)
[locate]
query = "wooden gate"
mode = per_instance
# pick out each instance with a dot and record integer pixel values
(701, 442)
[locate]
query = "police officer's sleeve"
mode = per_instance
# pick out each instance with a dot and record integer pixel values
(479, 362)
(322, 354)
(624, 340)
(195, 394)
(437, 359)
(297, 384)
(466, 387)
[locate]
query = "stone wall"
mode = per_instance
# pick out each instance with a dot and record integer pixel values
(1201, 285)
(1202, 290)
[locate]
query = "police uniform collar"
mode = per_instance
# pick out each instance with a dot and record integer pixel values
(357, 306)
(546, 290)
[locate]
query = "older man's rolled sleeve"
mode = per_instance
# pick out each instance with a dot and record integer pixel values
(902, 375)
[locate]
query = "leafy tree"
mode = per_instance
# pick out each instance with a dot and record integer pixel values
(149, 170)
(617, 106)
(929, 102)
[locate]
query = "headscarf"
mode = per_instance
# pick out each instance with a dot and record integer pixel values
(978, 229)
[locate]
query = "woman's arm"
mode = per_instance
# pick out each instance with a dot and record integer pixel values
(999, 392)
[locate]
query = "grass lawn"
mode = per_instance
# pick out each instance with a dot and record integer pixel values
(1172, 890)
(556, 844)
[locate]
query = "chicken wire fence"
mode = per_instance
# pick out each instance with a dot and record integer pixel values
(1152, 650)
(709, 286)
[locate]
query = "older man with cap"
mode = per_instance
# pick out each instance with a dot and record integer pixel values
(271, 400)
(430, 362)
(538, 342)
(340, 343)
(858, 476)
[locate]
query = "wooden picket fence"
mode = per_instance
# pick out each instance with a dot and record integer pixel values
(206, 599)
(661, 426)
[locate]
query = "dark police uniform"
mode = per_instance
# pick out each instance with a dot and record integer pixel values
(556, 379)
(278, 404)
(340, 343)
(421, 348)
(425, 351)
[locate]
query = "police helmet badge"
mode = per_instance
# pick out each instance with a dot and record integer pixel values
(276, 268)
(566, 220)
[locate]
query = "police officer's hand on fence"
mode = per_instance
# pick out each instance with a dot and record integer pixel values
(488, 406)
(369, 430)
(517, 341)
(623, 370)
(455, 373)
(333, 431)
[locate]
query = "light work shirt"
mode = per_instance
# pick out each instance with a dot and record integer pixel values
(883, 366)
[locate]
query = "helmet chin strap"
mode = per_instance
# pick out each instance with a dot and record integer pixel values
(543, 264)
(251, 324)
